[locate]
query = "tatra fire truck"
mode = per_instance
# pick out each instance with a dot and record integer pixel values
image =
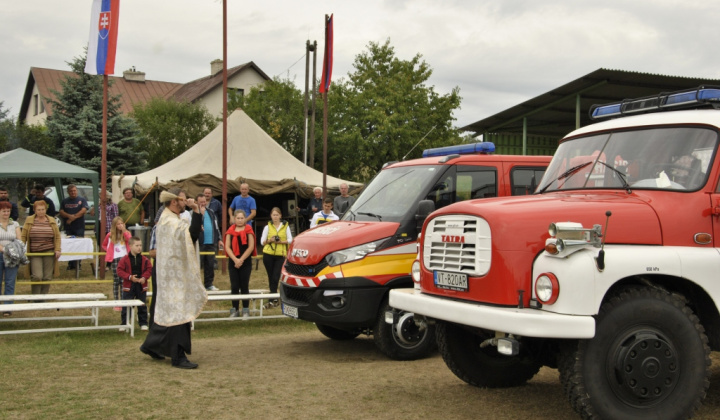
(338, 274)
(609, 272)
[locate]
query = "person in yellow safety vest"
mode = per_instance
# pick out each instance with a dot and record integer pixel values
(276, 237)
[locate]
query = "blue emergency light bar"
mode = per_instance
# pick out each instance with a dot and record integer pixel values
(693, 98)
(485, 147)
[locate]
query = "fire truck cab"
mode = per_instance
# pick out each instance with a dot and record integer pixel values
(338, 274)
(609, 272)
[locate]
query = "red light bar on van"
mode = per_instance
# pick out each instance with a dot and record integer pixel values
(484, 148)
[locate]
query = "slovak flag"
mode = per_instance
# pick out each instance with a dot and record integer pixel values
(328, 59)
(103, 37)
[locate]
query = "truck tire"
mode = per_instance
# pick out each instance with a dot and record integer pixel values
(482, 367)
(335, 333)
(649, 359)
(404, 340)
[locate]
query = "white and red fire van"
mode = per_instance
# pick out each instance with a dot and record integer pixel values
(610, 272)
(338, 274)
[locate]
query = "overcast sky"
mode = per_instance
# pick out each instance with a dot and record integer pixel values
(499, 53)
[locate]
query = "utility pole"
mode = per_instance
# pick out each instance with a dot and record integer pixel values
(310, 113)
(309, 48)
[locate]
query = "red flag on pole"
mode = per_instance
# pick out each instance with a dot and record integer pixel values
(328, 59)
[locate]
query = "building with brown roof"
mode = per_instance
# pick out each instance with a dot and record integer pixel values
(135, 88)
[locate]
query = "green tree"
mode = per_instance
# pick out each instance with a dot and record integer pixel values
(30, 137)
(170, 127)
(7, 128)
(76, 125)
(382, 110)
(277, 107)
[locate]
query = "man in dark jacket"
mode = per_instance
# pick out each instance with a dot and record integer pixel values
(38, 193)
(4, 196)
(209, 240)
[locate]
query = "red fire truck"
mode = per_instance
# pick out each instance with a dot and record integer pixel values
(338, 275)
(610, 272)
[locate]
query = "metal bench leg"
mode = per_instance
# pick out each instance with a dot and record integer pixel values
(96, 314)
(131, 321)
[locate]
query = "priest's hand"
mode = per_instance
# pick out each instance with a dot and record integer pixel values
(190, 202)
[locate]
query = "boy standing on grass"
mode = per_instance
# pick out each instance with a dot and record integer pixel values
(135, 269)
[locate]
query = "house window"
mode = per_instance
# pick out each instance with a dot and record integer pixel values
(42, 107)
(35, 104)
(235, 92)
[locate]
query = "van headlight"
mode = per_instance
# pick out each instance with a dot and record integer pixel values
(353, 253)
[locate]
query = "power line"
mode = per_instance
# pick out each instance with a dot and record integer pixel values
(291, 66)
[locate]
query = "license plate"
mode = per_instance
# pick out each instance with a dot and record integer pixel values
(290, 311)
(451, 281)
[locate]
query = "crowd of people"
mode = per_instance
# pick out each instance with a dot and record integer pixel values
(174, 267)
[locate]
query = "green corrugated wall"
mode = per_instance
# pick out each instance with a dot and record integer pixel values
(512, 144)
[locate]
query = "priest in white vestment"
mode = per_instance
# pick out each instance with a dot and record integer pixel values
(180, 294)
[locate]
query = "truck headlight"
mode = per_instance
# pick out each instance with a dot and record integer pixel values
(547, 288)
(415, 271)
(353, 253)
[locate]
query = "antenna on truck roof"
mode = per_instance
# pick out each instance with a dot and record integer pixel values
(416, 144)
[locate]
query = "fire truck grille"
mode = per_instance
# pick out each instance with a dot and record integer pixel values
(305, 270)
(458, 243)
(298, 295)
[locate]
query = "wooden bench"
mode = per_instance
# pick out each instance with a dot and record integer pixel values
(52, 297)
(93, 305)
(254, 297)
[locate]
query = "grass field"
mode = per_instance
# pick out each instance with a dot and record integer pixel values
(259, 369)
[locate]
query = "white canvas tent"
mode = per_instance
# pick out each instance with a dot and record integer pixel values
(253, 157)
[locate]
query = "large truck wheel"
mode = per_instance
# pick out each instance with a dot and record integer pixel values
(336, 333)
(482, 366)
(403, 340)
(649, 359)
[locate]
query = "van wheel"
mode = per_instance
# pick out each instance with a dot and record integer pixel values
(403, 340)
(335, 333)
(482, 366)
(649, 359)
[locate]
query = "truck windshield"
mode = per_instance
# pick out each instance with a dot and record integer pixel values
(394, 194)
(669, 158)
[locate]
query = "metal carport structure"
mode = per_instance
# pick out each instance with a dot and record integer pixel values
(538, 123)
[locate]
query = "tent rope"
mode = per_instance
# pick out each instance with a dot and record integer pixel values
(152, 187)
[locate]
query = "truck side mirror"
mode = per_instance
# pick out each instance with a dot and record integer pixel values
(425, 207)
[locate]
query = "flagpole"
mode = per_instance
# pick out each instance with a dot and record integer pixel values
(224, 130)
(103, 170)
(327, 68)
(305, 99)
(312, 107)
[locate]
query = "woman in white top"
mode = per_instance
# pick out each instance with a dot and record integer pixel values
(9, 231)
